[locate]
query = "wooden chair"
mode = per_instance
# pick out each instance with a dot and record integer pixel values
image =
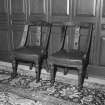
(34, 53)
(77, 56)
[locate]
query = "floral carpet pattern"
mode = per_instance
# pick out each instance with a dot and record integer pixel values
(7, 98)
(61, 91)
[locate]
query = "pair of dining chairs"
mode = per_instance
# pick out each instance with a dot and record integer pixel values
(36, 53)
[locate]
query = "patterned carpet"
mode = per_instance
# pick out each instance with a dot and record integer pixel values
(24, 91)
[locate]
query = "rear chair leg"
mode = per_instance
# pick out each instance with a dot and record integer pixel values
(46, 65)
(31, 65)
(65, 71)
(85, 72)
(14, 67)
(53, 70)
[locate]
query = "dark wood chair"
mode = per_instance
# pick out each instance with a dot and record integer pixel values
(35, 53)
(77, 56)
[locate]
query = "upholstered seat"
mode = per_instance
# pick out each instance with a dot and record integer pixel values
(61, 56)
(28, 53)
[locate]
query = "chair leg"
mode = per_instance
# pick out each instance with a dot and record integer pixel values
(85, 72)
(81, 76)
(84, 75)
(38, 71)
(85, 64)
(80, 79)
(14, 67)
(65, 71)
(31, 65)
(53, 70)
(46, 65)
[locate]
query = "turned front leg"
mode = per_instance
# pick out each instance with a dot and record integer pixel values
(14, 67)
(80, 78)
(53, 70)
(38, 67)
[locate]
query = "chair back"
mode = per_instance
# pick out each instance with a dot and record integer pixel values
(79, 37)
(38, 34)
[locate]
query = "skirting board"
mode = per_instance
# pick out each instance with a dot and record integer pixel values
(46, 75)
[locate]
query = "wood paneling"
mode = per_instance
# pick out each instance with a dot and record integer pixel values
(4, 15)
(4, 26)
(60, 10)
(18, 11)
(18, 6)
(101, 39)
(17, 35)
(55, 39)
(4, 40)
(37, 9)
(37, 6)
(60, 7)
(103, 8)
(18, 19)
(102, 51)
(3, 6)
(85, 8)
(84, 32)
(17, 32)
